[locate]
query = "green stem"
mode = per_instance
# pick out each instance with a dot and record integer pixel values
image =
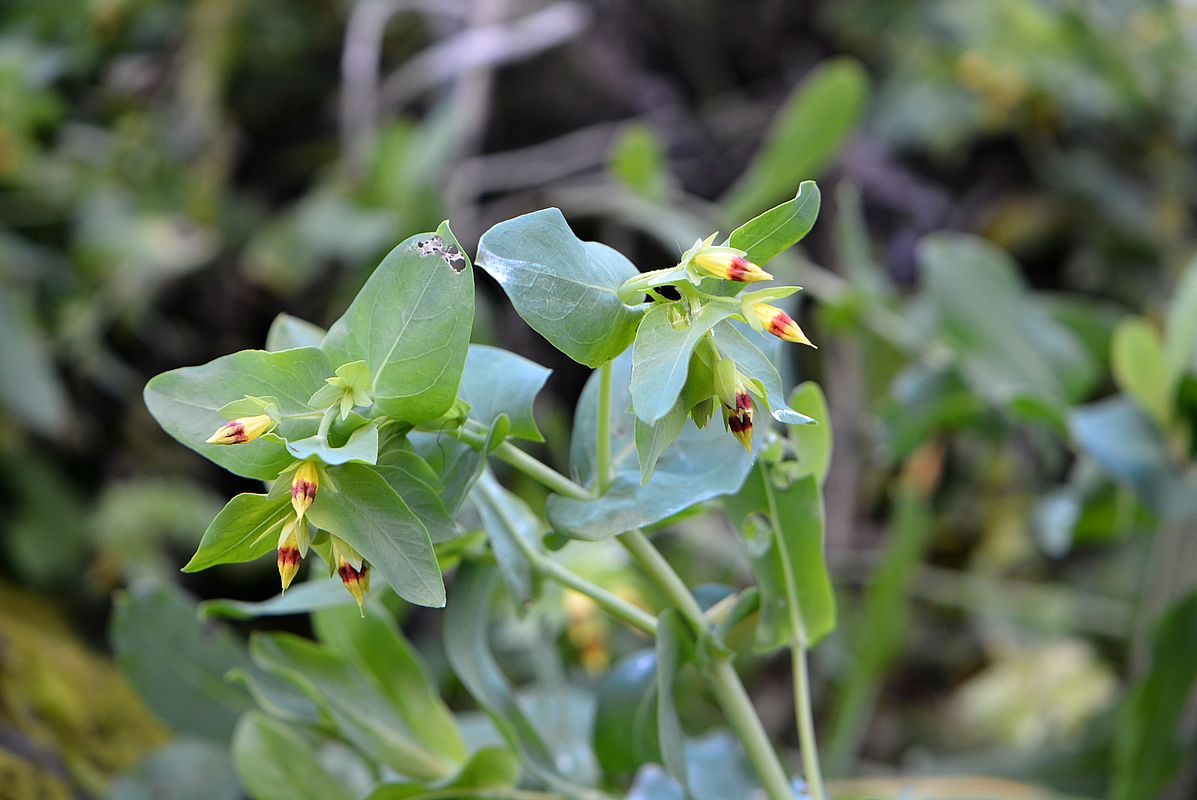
(326, 423)
(540, 472)
(729, 690)
(603, 442)
(806, 723)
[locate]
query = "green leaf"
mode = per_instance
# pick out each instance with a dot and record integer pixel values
(361, 447)
(1146, 752)
(361, 712)
(779, 228)
(177, 665)
(700, 465)
(1140, 367)
(625, 722)
(366, 513)
(301, 598)
(1180, 344)
(31, 390)
(246, 528)
(661, 355)
(377, 648)
(653, 440)
(808, 131)
(186, 403)
(276, 763)
(1008, 347)
(411, 324)
(488, 769)
(500, 382)
(511, 526)
(812, 443)
(674, 648)
(467, 629)
(287, 332)
(759, 367)
(782, 530)
(419, 486)
(181, 769)
(638, 161)
(457, 464)
(564, 288)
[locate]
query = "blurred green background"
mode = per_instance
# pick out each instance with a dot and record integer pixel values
(999, 284)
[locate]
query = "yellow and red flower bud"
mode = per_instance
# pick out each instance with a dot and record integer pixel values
(303, 487)
(357, 581)
(728, 265)
(242, 430)
(739, 422)
(293, 545)
(780, 324)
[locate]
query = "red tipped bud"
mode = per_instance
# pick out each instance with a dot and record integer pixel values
(242, 430)
(730, 265)
(780, 324)
(739, 422)
(303, 487)
(292, 547)
(357, 581)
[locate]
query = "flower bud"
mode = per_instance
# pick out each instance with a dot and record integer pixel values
(292, 547)
(303, 487)
(729, 264)
(352, 569)
(780, 324)
(242, 430)
(739, 422)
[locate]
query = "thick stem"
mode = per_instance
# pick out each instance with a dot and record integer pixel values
(806, 723)
(603, 431)
(730, 692)
(326, 422)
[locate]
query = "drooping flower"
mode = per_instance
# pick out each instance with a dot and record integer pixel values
(780, 324)
(732, 392)
(242, 430)
(293, 545)
(303, 487)
(352, 569)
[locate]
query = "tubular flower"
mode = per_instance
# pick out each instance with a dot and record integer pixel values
(242, 430)
(739, 422)
(352, 569)
(737, 402)
(780, 324)
(292, 547)
(303, 487)
(729, 264)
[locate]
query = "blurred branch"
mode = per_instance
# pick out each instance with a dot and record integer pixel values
(484, 46)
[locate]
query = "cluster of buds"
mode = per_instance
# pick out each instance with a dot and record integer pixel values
(732, 391)
(243, 429)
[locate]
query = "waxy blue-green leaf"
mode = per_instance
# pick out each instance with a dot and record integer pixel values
(1180, 339)
(700, 465)
(564, 288)
(364, 715)
(782, 530)
(511, 527)
(301, 598)
(366, 513)
(287, 332)
(652, 441)
(177, 664)
(759, 367)
(779, 228)
(812, 443)
(186, 403)
(674, 647)
(362, 447)
(376, 645)
(625, 716)
(467, 646)
(808, 131)
(246, 528)
(488, 770)
(497, 382)
(1008, 348)
(411, 324)
(275, 762)
(661, 356)
(456, 463)
(418, 484)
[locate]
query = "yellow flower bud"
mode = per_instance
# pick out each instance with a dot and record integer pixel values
(242, 430)
(726, 264)
(780, 324)
(357, 581)
(292, 546)
(303, 487)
